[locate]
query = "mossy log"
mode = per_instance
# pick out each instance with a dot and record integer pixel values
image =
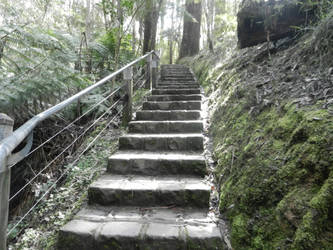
(260, 21)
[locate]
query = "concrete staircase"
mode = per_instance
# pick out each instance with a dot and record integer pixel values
(153, 195)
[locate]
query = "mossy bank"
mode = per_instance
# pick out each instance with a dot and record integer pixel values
(272, 127)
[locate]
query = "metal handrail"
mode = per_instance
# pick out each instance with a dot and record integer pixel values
(8, 144)
(10, 140)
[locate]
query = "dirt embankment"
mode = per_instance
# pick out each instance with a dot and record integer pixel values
(272, 124)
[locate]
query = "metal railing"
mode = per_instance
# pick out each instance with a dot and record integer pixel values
(10, 140)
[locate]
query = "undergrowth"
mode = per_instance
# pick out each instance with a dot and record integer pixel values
(41, 228)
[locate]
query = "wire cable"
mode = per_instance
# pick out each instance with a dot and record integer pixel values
(69, 125)
(138, 81)
(50, 163)
(62, 175)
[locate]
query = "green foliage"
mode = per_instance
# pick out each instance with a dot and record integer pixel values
(36, 70)
(39, 68)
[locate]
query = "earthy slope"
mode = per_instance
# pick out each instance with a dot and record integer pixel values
(272, 125)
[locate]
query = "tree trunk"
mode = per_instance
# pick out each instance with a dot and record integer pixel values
(171, 36)
(208, 12)
(150, 24)
(191, 31)
(147, 26)
(88, 30)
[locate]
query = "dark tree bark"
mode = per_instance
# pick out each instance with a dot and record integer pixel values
(153, 9)
(191, 30)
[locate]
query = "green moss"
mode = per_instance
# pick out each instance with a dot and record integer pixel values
(239, 233)
(317, 221)
(276, 165)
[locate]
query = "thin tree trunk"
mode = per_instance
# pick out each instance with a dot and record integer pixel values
(106, 23)
(120, 18)
(208, 12)
(133, 38)
(140, 45)
(170, 51)
(2, 49)
(171, 35)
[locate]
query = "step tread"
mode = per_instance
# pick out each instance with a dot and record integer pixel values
(168, 122)
(160, 115)
(171, 135)
(167, 215)
(162, 98)
(159, 127)
(157, 164)
(172, 105)
(178, 89)
(170, 102)
(129, 155)
(127, 228)
(171, 111)
(151, 183)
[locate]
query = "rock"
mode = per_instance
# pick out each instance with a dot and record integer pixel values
(255, 18)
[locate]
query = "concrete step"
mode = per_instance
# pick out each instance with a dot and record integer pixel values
(178, 78)
(147, 191)
(156, 164)
(175, 91)
(177, 74)
(178, 67)
(98, 227)
(158, 127)
(161, 115)
(172, 105)
(177, 86)
(167, 66)
(174, 67)
(162, 142)
(166, 98)
(178, 83)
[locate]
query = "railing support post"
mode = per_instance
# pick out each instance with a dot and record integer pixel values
(128, 80)
(154, 66)
(6, 128)
(148, 73)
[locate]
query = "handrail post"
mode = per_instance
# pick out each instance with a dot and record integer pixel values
(128, 80)
(148, 72)
(6, 128)
(154, 66)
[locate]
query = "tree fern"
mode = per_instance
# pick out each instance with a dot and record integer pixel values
(38, 66)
